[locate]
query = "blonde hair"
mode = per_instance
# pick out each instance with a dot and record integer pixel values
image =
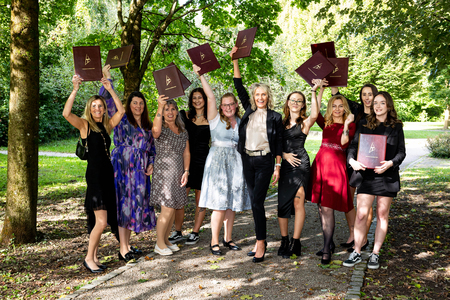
(88, 117)
(266, 88)
(178, 121)
(329, 113)
(237, 114)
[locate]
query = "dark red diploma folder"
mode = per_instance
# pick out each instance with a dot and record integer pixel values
(244, 42)
(371, 149)
(327, 49)
(119, 57)
(204, 57)
(339, 76)
(168, 82)
(317, 67)
(184, 81)
(88, 62)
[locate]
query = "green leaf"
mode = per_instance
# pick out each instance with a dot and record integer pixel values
(214, 267)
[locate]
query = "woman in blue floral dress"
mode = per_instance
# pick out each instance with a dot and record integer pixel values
(132, 159)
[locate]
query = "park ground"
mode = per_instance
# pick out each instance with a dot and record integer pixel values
(415, 259)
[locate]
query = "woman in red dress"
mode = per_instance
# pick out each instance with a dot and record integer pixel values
(329, 186)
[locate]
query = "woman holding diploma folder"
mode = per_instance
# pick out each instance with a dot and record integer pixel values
(260, 144)
(100, 202)
(383, 181)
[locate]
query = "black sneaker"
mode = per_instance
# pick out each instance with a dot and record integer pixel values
(373, 261)
(353, 259)
(175, 237)
(193, 239)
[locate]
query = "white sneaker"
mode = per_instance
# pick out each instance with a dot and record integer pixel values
(165, 251)
(373, 261)
(173, 247)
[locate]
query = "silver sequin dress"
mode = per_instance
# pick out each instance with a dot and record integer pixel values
(223, 185)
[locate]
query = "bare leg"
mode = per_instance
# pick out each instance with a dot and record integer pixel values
(283, 223)
(169, 227)
(364, 202)
(199, 213)
(179, 218)
(383, 207)
(299, 206)
(165, 219)
(350, 217)
(124, 235)
(217, 218)
(228, 225)
(94, 238)
(369, 222)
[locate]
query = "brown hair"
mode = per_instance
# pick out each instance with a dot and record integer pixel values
(145, 120)
(329, 113)
(88, 117)
(237, 114)
(287, 111)
(391, 118)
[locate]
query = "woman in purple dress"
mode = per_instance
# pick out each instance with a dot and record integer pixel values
(132, 159)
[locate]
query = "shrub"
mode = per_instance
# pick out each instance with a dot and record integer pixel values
(439, 146)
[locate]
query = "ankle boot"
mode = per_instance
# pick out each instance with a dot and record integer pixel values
(295, 247)
(284, 247)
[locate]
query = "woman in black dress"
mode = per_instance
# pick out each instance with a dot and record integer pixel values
(196, 123)
(383, 181)
(100, 202)
(294, 174)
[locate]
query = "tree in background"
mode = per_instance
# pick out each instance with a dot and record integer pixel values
(22, 185)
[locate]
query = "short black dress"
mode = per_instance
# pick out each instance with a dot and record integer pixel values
(199, 137)
(101, 193)
(292, 178)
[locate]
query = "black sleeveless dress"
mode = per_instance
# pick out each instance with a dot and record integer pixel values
(101, 193)
(199, 137)
(292, 178)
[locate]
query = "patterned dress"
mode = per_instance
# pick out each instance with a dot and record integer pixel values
(134, 151)
(168, 170)
(223, 185)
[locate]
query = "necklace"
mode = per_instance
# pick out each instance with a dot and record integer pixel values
(104, 142)
(198, 116)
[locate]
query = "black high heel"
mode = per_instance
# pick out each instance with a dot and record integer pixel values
(260, 259)
(251, 253)
(346, 245)
(326, 261)
(92, 271)
(332, 248)
(135, 250)
(102, 266)
(351, 249)
(231, 247)
(129, 256)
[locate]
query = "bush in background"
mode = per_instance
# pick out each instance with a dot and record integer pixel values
(439, 146)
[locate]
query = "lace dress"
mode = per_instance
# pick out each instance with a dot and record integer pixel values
(223, 185)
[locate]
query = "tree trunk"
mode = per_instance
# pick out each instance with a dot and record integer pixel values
(446, 113)
(22, 185)
(131, 35)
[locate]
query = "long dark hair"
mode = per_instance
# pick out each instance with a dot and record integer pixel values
(145, 120)
(287, 112)
(391, 118)
(192, 112)
(374, 92)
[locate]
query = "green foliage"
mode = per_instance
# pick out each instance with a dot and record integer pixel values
(439, 146)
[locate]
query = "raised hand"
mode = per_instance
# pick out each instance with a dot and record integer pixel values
(350, 119)
(106, 71)
(76, 81)
(196, 69)
(234, 50)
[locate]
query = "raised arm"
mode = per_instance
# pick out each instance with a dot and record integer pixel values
(73, 119)
(315, 103)
(157, 121)
(105, 94)
(237, 72)
(240, 89)
(212, 109)
(115, 119)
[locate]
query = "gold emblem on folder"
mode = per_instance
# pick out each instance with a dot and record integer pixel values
(372, 148)
(244, 40)
(317, 67)
(202, 56)
(335, 68)
(168, 80)
(87, 60)
(115, 57)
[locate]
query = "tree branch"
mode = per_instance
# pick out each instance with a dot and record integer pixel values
(184, 5)
(195, 10)
(185, 35)
(119, 13)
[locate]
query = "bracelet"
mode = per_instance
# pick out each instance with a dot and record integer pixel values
(346, 132)
(187, 172)
(313, 91)
(277, 165)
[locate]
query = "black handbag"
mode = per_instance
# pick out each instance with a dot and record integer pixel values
(82, 151)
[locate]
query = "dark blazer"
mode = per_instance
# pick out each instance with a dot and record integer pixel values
(274, 122)
(395, 151)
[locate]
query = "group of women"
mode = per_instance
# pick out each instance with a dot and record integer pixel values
(230, 160)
